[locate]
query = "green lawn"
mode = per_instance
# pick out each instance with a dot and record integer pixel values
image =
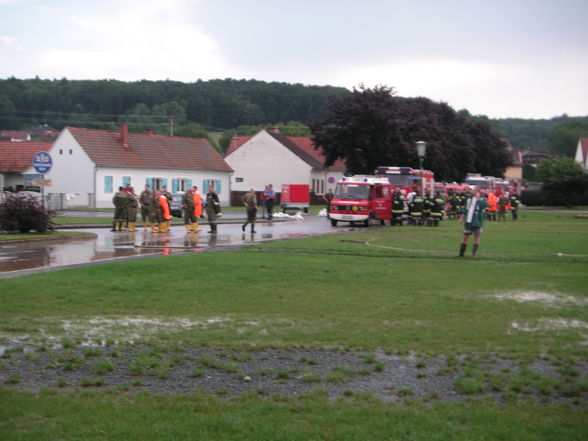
(396, 289)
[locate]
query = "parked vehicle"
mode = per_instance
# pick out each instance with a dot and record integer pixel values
(295, 196)
(175, 207)
(408, 179)
(359, 199)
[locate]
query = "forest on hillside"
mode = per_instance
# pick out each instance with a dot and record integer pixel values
(216, 109)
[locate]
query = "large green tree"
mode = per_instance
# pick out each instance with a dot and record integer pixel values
(563, 179)
(373, 127)
(564, 137)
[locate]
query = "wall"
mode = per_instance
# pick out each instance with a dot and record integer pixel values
(139, 179)
(72, 171)
(262, 160)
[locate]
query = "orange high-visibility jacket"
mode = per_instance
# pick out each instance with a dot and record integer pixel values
(197, 204)
(164, 207)
(492, 202)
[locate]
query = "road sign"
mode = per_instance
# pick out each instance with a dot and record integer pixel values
(42, 162)
(41, 182)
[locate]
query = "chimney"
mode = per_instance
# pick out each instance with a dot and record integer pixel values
(274, 130)
(124, 135)
(150, 132)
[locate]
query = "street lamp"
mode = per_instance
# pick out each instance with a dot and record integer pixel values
(421, 147)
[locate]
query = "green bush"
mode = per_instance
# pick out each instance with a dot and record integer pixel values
(23, 212)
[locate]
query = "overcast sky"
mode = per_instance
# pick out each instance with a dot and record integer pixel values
(501, 58)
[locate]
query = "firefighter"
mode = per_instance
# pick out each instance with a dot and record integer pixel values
(120, 202)
(427, 206)
(398, 201)
(212, 208)
(472, 216)
(415, 208)
(154, 212)
(250, 202)
(492, 206)
(197, 208)
(170, 199)
(188, 207)
(503, 203)
(437, 208)
(514, 206)
(165, 214)
(146, 199)
(132, 206)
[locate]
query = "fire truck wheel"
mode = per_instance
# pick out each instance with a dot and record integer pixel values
(334, 222)
(366, 223)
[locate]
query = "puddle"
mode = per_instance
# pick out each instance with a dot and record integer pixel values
(540, 297)
(547, 325)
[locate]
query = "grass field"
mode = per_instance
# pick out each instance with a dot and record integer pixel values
(398, 290)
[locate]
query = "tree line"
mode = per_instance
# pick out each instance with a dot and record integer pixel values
(225, 106)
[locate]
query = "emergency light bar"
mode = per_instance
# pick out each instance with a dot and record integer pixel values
(384, 170)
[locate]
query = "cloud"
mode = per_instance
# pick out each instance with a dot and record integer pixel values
(153, 41)
(7, 41)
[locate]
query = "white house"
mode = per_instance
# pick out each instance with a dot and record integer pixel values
(89, 165)
(582, 153)
(16, 163)
(270, 157)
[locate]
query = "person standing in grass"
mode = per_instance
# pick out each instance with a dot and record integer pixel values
(250, 202)
(472, 216)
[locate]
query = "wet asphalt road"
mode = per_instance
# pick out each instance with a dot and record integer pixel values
(29, 257)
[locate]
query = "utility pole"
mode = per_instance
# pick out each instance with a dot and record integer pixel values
(171, 125)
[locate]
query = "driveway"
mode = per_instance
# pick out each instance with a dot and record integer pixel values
(30, 257)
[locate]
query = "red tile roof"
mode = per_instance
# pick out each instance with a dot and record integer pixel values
(302, 147)
(105, 149)
(584, 146)
(18, 156)
(15, 134)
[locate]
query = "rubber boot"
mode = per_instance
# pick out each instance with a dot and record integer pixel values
(253, 228)
(153, 227)
(462, 249)
(162, 227)
(132, 227)
(243, 226)
(474, 250)
(195, 227)
(113, 226)
(145, 225)
(188, 228)
(120, 226)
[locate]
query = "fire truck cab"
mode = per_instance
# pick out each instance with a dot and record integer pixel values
(408, 179)
(360, 199)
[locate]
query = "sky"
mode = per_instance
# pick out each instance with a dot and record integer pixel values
(500, 58)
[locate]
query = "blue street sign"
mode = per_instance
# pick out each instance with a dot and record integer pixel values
(42, 162)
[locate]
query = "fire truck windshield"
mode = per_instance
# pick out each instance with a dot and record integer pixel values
(400, 180)
(352, 191)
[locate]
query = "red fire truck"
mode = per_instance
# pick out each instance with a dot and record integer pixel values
(360, 199)
(407, 178)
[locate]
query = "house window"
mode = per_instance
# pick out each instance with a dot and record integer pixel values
(61, 151)
(216, 185)
(70, 151)
(126, 180)
(108, 184)
(181, 184)
(238, 179)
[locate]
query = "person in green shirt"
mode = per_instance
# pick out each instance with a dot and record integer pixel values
(472, 216)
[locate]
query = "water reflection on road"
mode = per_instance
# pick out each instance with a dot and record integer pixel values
(107, 245)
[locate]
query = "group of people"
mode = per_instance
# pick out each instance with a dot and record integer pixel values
(156, 209)
(415, 209)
